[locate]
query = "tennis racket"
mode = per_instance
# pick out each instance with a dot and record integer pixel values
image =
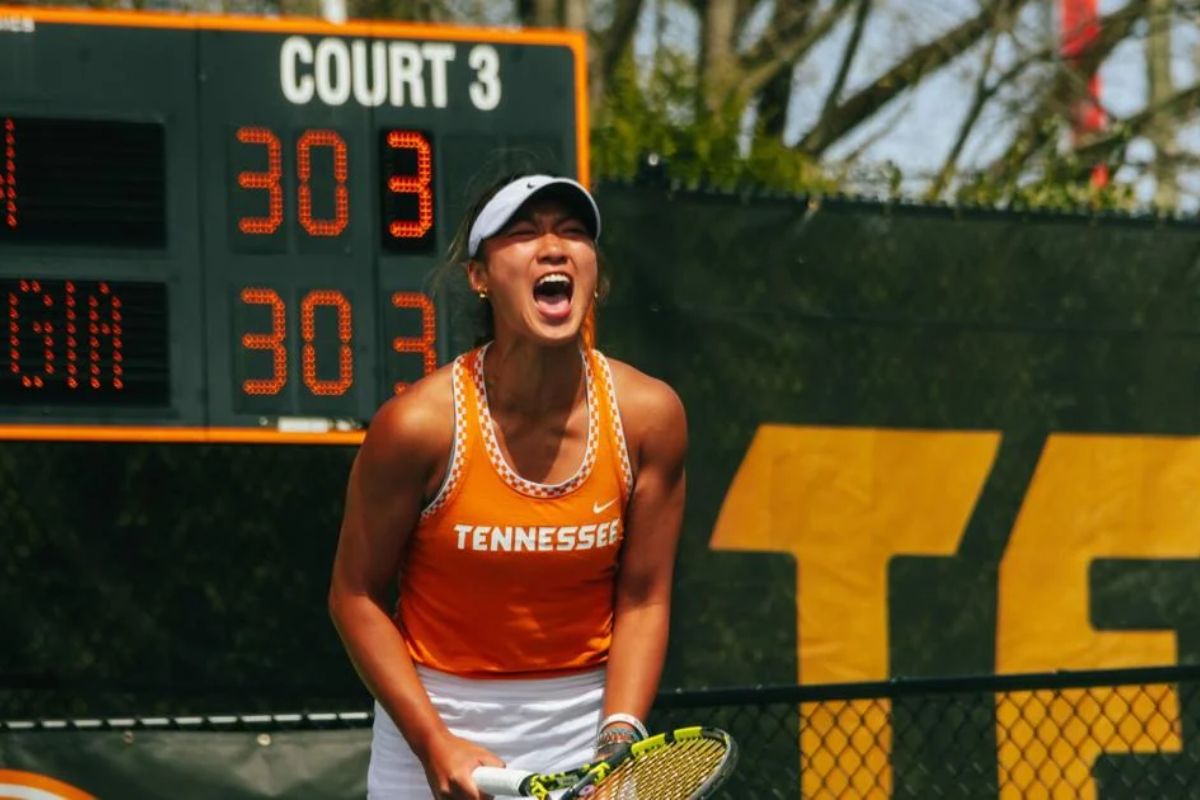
(683, 764)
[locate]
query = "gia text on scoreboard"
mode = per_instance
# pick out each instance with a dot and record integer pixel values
(219, 229)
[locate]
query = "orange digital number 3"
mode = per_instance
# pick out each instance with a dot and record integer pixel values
(418, 184)
(426, 344)
(272, 341)
(268, 181)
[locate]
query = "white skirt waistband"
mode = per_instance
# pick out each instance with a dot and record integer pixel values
(512, 689)
(537, 724)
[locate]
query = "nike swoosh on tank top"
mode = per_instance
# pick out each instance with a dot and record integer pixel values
(507, 577)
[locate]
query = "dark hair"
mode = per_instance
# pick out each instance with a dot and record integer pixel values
(483, 188)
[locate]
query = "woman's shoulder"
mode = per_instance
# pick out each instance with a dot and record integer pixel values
(646, 403)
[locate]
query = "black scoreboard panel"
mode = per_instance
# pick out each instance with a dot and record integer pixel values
(225, 230)
(100, 250)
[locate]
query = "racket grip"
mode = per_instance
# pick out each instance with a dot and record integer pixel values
(499, 781)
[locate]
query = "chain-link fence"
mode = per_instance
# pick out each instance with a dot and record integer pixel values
(1106, 734)
(1103, 734)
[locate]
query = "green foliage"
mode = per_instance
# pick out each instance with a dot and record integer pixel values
(654, 118)
(657, 117)
(1064, 184)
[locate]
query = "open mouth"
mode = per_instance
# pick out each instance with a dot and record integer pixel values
(552, 295)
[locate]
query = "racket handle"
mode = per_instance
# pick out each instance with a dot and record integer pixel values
(499, 781)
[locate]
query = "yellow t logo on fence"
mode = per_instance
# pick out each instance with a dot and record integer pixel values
(1092, 497)
(844, 501)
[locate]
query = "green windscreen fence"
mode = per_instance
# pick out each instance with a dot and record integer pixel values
(236, 760)
(922, 442)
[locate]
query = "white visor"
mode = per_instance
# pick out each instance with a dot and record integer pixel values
(506, 202)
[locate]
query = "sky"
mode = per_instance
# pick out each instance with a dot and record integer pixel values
(917, 130)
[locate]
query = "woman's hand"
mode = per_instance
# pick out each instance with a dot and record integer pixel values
(449, 764)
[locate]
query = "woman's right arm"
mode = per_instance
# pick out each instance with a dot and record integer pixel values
(383, 503)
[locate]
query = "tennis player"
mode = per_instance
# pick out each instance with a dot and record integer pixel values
(526, 501)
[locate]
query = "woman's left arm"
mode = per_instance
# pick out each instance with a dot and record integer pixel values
(656, 428)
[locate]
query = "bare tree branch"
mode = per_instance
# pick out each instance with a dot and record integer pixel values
(848, 54)
(983, 93)
(773, 104)
(1158, 77)
(1178, 161)
(789, 19)
(776, 93)
(613, 45)
(538, 13)
(718, 57)
(785, 43)
(575, 14)
(925, 59)
(412, 10)
(1178, 107)
(745, 7)
(1066, 85)
(866, 144)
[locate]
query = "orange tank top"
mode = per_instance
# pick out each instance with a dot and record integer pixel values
(507, 577)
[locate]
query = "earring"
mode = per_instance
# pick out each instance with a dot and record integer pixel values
(482, 294)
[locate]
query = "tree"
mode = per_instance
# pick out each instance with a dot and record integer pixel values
(736, 101)
(1161, 88)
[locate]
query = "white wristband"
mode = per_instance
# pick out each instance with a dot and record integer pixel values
(629, 720)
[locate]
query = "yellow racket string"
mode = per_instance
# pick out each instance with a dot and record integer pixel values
(668, 771)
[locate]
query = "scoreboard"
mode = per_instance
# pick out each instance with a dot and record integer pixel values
(218, 229)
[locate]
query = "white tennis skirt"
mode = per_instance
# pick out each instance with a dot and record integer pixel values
(539, 724)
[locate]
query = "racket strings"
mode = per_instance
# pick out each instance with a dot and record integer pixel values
(673, 772)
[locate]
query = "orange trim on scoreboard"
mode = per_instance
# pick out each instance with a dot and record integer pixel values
(583, 129)
(164, 434)
(17, 778)
(314, 25)
(575, 40)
